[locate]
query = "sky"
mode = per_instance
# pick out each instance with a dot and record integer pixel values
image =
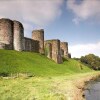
(74, 21)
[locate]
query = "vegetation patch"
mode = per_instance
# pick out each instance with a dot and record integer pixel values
(13, 62)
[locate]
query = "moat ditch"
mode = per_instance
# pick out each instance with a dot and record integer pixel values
(92, 91)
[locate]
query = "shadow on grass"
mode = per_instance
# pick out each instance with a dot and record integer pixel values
(65, 59)
(4, 74)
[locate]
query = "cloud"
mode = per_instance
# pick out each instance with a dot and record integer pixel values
(38, 12)
(86, 9)
(83, 49)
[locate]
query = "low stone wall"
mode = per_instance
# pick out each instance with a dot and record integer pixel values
(31, 45)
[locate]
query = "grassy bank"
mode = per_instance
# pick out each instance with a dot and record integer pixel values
(36, 64)
(49, 81)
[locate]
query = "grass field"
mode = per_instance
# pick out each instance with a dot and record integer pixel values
(38, 88)
(35, 77)
(36, 64)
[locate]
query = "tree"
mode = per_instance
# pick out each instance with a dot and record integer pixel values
(92, 60)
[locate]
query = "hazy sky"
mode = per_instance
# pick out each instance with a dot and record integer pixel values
(74, 21)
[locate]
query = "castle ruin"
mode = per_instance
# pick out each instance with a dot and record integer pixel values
(12, 38)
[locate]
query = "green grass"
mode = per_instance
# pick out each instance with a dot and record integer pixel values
(38, 88)
(50, 80)
(38, 65)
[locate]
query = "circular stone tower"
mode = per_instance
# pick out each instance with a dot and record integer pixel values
(6, 32)
(18, 31)
(39, 36)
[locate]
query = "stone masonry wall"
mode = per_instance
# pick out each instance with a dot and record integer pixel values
(56, 53)
(39, 36)
(48, 50)
(64, 47)
(35, 46)
(18, 36)
(6, 32)
(27, 44)
(31, 45)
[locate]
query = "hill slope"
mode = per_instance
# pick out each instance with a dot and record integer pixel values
(36, 64)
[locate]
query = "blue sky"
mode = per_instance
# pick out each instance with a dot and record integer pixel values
(74, 21)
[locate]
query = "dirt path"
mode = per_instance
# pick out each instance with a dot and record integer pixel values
(74, 89)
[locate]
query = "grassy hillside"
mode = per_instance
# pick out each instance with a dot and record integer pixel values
(36, 64)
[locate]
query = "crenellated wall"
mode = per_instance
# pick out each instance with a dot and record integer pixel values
(12, 37)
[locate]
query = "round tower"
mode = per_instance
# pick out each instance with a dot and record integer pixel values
(39, 36)
(18, 31)
(64, 47)
(6, 32)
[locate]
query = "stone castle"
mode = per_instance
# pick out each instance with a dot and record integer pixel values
(12, 38)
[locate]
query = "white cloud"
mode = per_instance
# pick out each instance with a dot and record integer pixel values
(83, 49)
(85, 10)
(39, 12)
